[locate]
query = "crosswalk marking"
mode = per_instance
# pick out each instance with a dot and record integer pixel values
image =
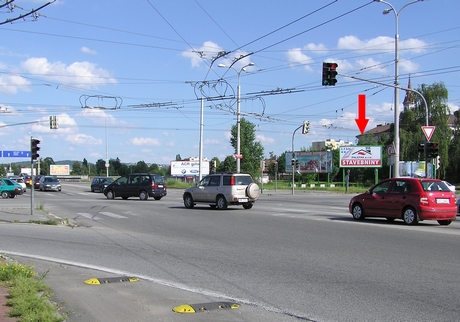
(106, 213)
(89, 216)
(111, 214)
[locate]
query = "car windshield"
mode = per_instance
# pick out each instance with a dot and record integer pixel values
(435, 186)
(51, 180)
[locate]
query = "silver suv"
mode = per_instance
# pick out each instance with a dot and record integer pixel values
(222, 190)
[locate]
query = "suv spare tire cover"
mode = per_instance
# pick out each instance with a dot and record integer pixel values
(253, 191)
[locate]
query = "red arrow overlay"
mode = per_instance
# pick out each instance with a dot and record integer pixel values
(362, 121)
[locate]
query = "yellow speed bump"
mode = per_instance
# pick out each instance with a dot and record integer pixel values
(204, 307)
(98, 281)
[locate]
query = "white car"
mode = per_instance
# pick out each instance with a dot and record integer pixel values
(20, 181)
(222, 190)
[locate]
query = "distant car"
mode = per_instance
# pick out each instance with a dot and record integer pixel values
(451, 186)
(20, 181)
(409, 199)
(36, 181)
(100, 183)
(222, 190)
(48, 183)
(142, 185)
(9, 188)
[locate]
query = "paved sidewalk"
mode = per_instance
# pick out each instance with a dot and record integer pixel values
(25, 215)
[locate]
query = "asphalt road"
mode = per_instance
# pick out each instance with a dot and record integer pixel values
(290, 258)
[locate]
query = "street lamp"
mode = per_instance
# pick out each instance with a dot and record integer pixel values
(396, 102)
(238, 122)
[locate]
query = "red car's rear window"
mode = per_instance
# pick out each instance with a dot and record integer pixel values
(434, 186)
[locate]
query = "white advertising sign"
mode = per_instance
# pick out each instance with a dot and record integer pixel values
(361, 157)
(189, 168)
(56, 170)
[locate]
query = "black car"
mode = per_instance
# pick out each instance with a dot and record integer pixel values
(100, 183)
(142, 185)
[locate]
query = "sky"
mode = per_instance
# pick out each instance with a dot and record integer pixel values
(128, 80)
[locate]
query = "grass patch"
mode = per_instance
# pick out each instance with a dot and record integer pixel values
(40, 207)
(281, 185)
(29, 296)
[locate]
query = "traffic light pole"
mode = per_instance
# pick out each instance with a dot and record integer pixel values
(32, 188)
(397, 146)
(293, 157)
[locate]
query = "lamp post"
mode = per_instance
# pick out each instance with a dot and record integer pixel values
(238, 112)
(396, 94)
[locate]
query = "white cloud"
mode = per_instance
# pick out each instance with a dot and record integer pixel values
(145, 141)
(10, 84)
(86, 50)
(317, 48)
(297, 57)
(407, 66)
(265, 140)
(382, 43)
(99, 116)
(80, 74)
(83, 140)
(207, 51)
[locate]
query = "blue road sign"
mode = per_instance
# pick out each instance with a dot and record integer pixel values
(16, 154)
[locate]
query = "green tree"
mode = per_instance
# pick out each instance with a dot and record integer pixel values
(76, 168)
(141, 166)
(153, 168)
(100, 167)
(45, 165)
(115, 166)
(228, 165)
(252, 151)
(412, 119)
(453, 166)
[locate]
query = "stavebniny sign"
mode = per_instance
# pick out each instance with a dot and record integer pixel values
(361, 157)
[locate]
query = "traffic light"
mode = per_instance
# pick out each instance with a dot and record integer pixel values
(262, 164)
(34, 148)
(293, 162)
(297, 164)
(329, 74)
(53, 122)
(212, 166)
(306, 127)
(421, 148)
(432, 150)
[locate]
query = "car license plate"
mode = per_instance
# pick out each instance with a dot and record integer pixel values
(243, 200)
(160, 186)
(443, 200)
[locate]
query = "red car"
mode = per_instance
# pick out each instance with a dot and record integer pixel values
(409, 199)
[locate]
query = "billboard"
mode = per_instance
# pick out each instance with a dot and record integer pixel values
(59, 170)
(361, 157)
(310, 162)
(189, 168)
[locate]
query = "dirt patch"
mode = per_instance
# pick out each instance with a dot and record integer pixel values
(4, 310)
